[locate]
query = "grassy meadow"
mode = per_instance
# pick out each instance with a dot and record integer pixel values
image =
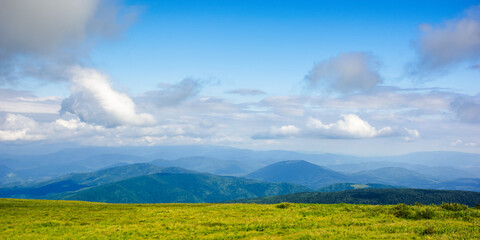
(45, 219)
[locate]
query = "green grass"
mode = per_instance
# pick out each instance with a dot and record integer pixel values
(43, 219)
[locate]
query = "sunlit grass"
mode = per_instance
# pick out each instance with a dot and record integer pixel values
(40, 219)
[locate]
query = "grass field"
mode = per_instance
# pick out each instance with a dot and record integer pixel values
(42, 219)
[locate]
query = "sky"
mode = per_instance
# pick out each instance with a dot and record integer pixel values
(365, 78)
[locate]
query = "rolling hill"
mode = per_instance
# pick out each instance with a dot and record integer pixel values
(180, 187)
(298, 172)
(375, 197)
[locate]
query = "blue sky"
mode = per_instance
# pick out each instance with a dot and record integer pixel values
(353, 77)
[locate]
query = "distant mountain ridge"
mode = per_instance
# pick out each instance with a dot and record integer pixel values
(299, 172)
(314, 176)
(443, 166)
(394, 176)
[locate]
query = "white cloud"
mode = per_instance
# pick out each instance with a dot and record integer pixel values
(461, 143)
(390, 99)
(94, 100)
(352, 126)
(14, 101)
(70, 124)
(18, 127)
(281, 132)
(284, 105)
(346, 73)
(409, 134)
(444, 45)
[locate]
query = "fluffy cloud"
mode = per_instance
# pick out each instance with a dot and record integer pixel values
(352, 126)
(94, 100)
(467, 109)
(453, 42)
(18, 127)
(346, 73)
(40, 38)
(247, 92)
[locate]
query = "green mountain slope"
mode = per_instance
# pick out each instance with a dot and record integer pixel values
(376, 197)
(299, 172)
(180, 187)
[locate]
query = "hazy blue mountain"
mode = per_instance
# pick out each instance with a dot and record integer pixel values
(4, 170)
(73, 182)
(180, 187)
(375, 196)
(44, 172)
(104, 160)
(442, 158)
(473, 170)
(36, 168)
(299, 172)
(467, 184)
(439, 173)
(7, 175)
(204, 164)
(337, 187)
(314, 176)
(394, 176)
(443, 166)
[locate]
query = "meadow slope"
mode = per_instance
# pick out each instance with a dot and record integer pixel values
(47, 219)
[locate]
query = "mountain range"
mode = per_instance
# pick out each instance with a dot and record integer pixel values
(216, 174)
(314, 176)
(441, 166)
